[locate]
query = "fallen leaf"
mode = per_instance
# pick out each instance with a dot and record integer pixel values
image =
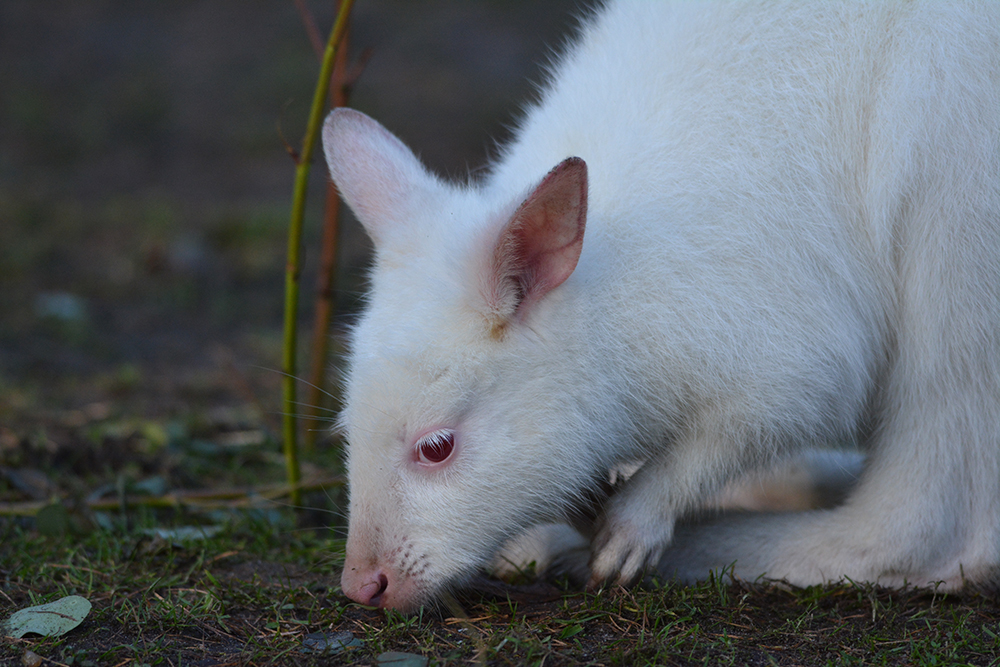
(49, 620)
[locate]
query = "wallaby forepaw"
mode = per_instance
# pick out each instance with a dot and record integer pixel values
(624, 549)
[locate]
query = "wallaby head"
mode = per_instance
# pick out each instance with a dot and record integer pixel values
(447, 408)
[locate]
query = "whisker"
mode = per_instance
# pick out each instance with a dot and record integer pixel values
(300, 380)
(315, 407)
(299, 415)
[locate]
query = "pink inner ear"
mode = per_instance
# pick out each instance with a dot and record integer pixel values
(540, 246)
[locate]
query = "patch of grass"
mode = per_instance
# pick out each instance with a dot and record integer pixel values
(244, 590)
(256, 590)
(251, 594)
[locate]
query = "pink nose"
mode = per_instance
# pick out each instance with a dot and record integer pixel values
(379, 581)
(363, 585)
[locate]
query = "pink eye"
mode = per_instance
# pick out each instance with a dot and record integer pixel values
(435, 447)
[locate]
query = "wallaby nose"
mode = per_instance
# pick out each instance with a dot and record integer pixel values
(364, 586)
(377, 580)
(371, 593)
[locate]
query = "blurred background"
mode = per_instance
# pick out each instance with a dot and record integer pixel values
(145, 189)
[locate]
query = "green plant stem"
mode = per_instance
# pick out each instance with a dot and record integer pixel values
(325, 277)
(294, 266)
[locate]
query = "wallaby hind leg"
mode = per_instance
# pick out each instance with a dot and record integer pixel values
(813, 479)
(927, 507)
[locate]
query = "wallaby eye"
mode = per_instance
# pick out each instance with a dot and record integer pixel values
(436, 447)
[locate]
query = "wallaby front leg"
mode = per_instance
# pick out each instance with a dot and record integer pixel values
(637, 523)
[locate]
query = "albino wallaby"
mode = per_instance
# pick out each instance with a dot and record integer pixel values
(728, 231)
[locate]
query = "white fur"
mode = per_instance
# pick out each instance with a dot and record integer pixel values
(792, 237)
(812, 479)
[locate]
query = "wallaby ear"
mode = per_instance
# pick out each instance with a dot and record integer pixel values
(539, 247)
(377, 175)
